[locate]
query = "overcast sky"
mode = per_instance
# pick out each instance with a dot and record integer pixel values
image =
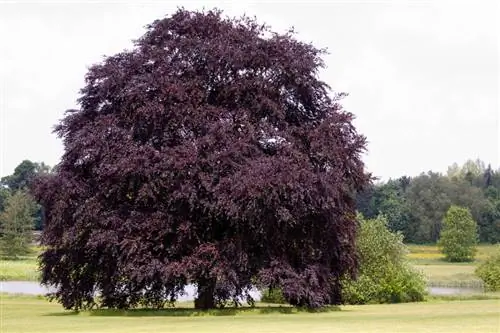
(423, 76)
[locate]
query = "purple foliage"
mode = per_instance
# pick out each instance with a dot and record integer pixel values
(209, 154)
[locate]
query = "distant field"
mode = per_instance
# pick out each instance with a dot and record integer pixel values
(439, 272)
(429, 254)
(449, 272)
(18, 270)
(438, 316)
(22, 269)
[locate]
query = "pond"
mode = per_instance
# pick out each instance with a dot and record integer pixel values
(22, 287)
(33, 288)
(445, 291)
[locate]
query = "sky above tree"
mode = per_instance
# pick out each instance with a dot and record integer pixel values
(422, 76)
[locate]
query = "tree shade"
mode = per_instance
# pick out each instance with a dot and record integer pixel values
(209, 154)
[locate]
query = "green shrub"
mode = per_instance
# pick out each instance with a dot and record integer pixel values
(272, 296)
(458, 238)
(489, 272)
(385, 276)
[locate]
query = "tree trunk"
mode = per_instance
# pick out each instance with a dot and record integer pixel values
(205, 299)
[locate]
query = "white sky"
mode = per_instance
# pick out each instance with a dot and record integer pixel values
(423, 76)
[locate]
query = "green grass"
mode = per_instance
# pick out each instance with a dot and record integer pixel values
(21, 269)
(458, 313)
(449, 272)
(429, 254)
(439, 272)
(18, 270)
(490, 295)
(31, 314)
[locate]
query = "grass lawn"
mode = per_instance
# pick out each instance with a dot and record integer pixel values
(450, 273)
(21, 269)
(429, 254)
(430, 261)
(18, 270)
(30, 315)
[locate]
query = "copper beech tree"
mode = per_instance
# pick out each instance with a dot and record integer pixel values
(209, 154)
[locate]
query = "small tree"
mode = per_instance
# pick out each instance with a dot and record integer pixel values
(385, 275)
(489, 271)
(16, 224)
(458, 238)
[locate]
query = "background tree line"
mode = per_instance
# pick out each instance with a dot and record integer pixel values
(415, 206)
(19, 212)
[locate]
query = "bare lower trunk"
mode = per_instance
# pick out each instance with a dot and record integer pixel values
(205, 299)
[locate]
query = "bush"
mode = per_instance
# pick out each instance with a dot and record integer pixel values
(385, 275)
(489, 272)
(458, 238)
(274, 296)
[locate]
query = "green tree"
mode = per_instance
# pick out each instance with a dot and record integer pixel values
(495, 179)
(488, 176)
(389, 200)
(416, 206)
(385, 275)
(458, 238)
(22, 178)
(386, 199)
(365, 203)
(16, 224)
(489, 223)
(474, 198)
(23, 174)
(427, 200)
(4, 194)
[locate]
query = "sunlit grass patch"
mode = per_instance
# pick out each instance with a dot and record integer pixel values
(428, 254)
(23, 268)
(438, 315)
(19, 270)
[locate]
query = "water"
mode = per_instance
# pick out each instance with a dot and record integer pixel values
(34, 288)
(22, 287)
(445, 291)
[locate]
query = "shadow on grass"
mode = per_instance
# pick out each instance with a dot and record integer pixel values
(190, 312)
(62, 314)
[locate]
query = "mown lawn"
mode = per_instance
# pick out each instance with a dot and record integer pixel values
(30, 315)
(21, 269)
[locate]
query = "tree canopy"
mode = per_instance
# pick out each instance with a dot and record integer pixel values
(416, 206)
(20, 180)
(23, 174)
(16, 225)
(211, 153)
